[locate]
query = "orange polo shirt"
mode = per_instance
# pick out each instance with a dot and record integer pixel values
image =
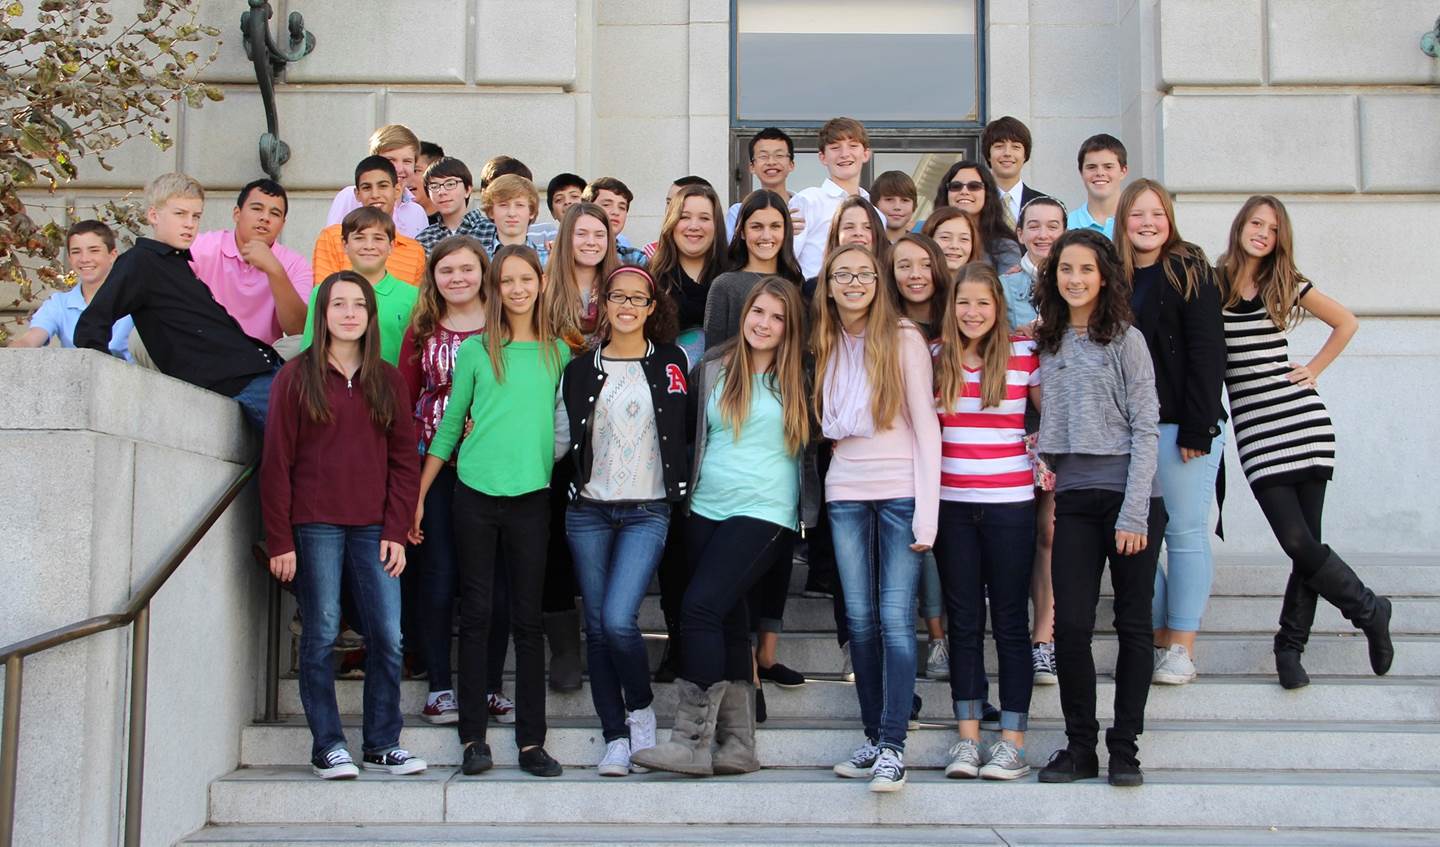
(406, 262)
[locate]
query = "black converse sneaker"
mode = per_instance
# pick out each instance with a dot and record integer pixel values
(335, 764)
(395, 761)
(889, 772)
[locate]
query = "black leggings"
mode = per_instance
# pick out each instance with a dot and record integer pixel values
(1293, 512)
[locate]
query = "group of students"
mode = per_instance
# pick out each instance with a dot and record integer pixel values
(977, 411)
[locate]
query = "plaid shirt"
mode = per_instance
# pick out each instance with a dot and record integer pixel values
(474, 223)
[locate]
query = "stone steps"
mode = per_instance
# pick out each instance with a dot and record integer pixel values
(1208, 698)
(818, 743)
(1194, 798)
(891, 835)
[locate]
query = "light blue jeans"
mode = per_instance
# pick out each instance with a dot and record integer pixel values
(1182, 586)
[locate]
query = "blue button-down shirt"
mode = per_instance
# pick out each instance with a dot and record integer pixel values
(59, 314)
(1080, 218)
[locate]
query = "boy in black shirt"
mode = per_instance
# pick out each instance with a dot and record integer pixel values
(187, 333)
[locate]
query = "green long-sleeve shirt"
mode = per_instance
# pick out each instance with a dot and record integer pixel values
(511, 450)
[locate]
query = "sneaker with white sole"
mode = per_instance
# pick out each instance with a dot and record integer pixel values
(1042, 659)
(441, 708)
(396, 761)
(860, 763)
(889, 772)
(642, 728)
(502, 708)
(1004, 762)
(937, 662)
(616, 761)
(335, 764)
(1175, 667)
(964, 760)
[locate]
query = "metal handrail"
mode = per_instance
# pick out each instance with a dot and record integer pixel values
(136, 612)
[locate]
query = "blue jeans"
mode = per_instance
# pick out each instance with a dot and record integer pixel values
(932, 597)
(616, 548)
(879, 608)
(254, 399)
(325, 555)
(988, 549)
(1182, 587)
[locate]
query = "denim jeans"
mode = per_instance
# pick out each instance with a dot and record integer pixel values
(254, 399)
(1084, 541)
(616, 548)
(1182, 587)
(511, 533)
(729, 558)
(988, 548)
(326, 554)
(932, 595)
(879, 573)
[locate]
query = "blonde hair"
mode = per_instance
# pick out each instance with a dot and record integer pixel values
(1277, 278)
(166, 186)
(994, 348)
(786, 375)
(508, 187)
(882, 341)
(393, 137)
(1195, 265)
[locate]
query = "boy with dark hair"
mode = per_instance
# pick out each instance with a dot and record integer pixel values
(262, 284)
(448, 185)
(187, 334)
(402, 148)
(564, 191)
(375, 186)
(430, 153)
(498, 166)
(90, 252)
(368, 234)
(844, 150)
(772, 160)
(1005, 146)
(894, 196)
(1103, 167)
(615, 198)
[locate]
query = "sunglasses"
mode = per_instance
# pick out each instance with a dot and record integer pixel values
(974, 186)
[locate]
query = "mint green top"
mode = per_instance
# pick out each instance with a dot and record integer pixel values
(754, 477)
(511, 450)
(394, 300)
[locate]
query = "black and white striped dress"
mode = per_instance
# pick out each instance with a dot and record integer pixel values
(1282, 430)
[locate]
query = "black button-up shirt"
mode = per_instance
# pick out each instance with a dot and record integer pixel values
(187, 333)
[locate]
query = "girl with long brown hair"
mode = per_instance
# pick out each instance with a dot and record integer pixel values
(582, 257)
(1176, 304)
(504, 383)
(873, 394)
(985, 378)
(691, 253)
(1282, 429)
(958, 237)
(338, 483)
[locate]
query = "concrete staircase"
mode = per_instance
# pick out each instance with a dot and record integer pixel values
(1230, 759)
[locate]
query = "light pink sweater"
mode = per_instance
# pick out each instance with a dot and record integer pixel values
(904, 460)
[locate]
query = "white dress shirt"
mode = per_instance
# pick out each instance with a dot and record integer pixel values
(817, 206)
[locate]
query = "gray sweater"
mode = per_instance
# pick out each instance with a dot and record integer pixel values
(722, 306)
(1100, 400)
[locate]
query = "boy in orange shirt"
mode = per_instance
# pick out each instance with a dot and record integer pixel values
(375, 186)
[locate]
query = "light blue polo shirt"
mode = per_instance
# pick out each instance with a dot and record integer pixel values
(59, 314)
(1080, 218)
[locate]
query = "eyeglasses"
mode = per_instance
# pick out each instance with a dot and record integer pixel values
(766, 158)
(447, 185)
(639, 301)
(865, 278)
(974, 186)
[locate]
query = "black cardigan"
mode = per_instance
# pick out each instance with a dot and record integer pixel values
(1187, 343)
(665, 370)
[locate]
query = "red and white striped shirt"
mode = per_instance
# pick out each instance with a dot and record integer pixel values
(983, 457)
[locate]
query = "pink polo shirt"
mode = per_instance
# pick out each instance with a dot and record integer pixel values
(243, 289)
(409, 216)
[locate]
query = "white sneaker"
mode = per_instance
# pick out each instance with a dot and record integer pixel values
(860, 763)
(335, 764)
(964, 760)
(616, 761)
(1174, 668)
(642, 728)
(889, 772)
(937, 663)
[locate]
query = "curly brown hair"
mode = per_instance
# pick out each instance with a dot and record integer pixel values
(1112, 309)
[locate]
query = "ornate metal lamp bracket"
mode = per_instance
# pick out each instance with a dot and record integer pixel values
(269, 61)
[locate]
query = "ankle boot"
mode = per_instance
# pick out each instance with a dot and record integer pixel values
(562, 630)
(735, 731)
(688, 750)
(1341, 586)
(1297, 616)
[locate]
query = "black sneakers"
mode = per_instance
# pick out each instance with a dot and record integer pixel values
(335, 764)
(397, 762)
(1125, 772)
(1068, 765)
(537, 762)
(782, 676)
(477, 759)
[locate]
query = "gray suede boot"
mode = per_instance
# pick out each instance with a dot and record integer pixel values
(735, 731)
(688, 750)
